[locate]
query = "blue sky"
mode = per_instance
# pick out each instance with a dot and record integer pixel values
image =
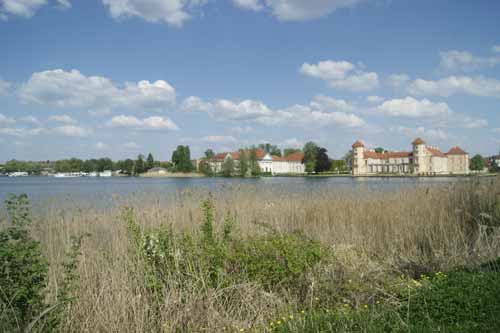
(114, 78)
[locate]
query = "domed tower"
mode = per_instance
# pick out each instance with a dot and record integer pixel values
(419, 160)
(358, 152)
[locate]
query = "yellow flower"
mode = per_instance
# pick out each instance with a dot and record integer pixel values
(290, 316)
(365, 306)
(302, 311)
(242, 330)
(346, 305)
(278, 322)
(378, 302)
(316, 298)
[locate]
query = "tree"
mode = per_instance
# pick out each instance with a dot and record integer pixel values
(139, 165)
(244, 163)
(322, 161)
(338, 166)
(290, 151)
(209, 154)
(206, 169)
(181, 158)
(228, 167)
(477, 163)
(270, 149)
(310, 152)
(348, 160)
(126, 166)
(253, 162)
(105, 164)
(150, 161)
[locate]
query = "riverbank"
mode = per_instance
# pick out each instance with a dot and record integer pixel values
(282, 261)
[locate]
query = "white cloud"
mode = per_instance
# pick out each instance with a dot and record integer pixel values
(254, 5)
(374, 99)
(341, 75)
(468, 122)
(453, 85)
(30, 119)
(241, 130)
(298, 10)
(22, 8)
(21, 132)
(173, 12)
(4, 87)
(131, 145)
(101, 146)
(72, 131)
(219, 139)
(4, 120)
(432, 134)
(72, 89)
(326, 103)
(63, 118)
(318, 114)
(496, 48)
(410, 107)
(100, 112)
(155, 123)
(397, 80)
(193, 103)
(293, 143)
(463, 61)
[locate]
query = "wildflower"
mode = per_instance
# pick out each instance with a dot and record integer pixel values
(242, 330)
(278, 322)
(302, 311)
(378, 302)
(316, 298)
(290, 316)
(365, 306)
(346, 305)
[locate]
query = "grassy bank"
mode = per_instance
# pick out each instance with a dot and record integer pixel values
(422, 259)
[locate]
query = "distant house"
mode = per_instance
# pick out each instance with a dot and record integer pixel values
(157, 171)
(291, 164)
(422, 160)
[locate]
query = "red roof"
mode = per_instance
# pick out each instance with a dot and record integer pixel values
(357, 144)
(418, 141)
(387, 155)
(235, 155)
(435, 152)
(456, 151)
(295, 157)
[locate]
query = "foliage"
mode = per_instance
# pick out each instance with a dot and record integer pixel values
(23, 272)
(228, 167)
(205, 168)
(243, 165)
(310, 152)
(150, 161)
(322, 161)
(338, 165)
(253, 163)
(139, 166)
(23, 275)
(477, 163)
(209, 153)
(270, 149)
(181, 159)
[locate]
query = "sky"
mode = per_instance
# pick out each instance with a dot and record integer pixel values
(96, 78)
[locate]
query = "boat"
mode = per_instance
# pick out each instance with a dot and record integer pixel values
(105, 173)
(69, 174)
(18, 174)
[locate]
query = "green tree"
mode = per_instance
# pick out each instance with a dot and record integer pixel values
(209, 154)
(270, 149)
(243, 166)
(338, 166)
(228, 167)
(322, 161)
(253, 162)
(139, 165)
(348, 160)
(150, 161)
(290, 151)
(477, 163)
(181, 158)
(310, 152)
(206, 169)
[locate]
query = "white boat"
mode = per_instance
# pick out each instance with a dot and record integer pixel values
(18, 174)
(68, 174)
(105, 173)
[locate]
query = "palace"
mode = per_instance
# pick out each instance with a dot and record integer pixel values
(291, 164)
(422, 160)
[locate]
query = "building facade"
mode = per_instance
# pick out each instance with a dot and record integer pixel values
(421, 160)
(291, 164)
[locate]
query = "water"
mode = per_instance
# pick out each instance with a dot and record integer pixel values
(95, 190)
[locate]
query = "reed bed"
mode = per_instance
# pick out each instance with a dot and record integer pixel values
(374, 236)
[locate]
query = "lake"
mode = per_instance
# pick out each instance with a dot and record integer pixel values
(95, 189)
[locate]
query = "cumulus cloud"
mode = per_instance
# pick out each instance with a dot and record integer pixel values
(463, 61)
(326, 103)
(101, 146)
(21, 132)
(72, 89)
(4, 87)
(193, 103)
(63, 118)
(26, 8)
(297, 10)
(219, 139)
(4, 120)
(31, 120)
(131, 146)
(454, 85)
(374, 99)
(172, 12)
(341, 75)
(432, 134)
(254, 5)
(319, 113)
(155, 123)
(410, 107)
(293, 143)
(72, 131)
(397, 80)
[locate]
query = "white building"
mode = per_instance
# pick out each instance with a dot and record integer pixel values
(291, 164)
(422, 160)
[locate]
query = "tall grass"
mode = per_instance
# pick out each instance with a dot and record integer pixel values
(371, 237)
